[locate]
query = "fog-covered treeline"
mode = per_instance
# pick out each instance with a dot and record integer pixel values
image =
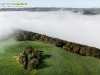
(80, 49)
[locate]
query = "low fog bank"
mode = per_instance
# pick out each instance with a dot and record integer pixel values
(83, 29)
(6, 32)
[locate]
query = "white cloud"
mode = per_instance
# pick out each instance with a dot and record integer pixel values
(64, 25)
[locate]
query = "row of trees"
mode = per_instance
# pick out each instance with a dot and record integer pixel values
(80, 49)
(86, 12)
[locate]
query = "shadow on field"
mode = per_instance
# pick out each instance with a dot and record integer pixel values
(43, 64)
(46, 56)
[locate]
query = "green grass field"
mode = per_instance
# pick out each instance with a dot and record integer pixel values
(59, 62)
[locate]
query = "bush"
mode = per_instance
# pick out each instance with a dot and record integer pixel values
(29, 58)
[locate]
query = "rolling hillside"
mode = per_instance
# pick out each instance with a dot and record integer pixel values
(57, 61)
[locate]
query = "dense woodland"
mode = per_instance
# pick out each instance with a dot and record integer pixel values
(22, 35)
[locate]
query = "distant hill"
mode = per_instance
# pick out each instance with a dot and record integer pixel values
(91, 11)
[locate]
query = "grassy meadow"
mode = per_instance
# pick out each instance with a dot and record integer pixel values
(57, 61)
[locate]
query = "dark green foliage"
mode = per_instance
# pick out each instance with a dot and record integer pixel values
(25, 37)
(29, 58)
(60, 43)
(68, 46)
(88, 51)
(89, 12)
(37, 36)
(76, 48)
(32, 63)
(83, 51)
(43, 38)
(23, 60)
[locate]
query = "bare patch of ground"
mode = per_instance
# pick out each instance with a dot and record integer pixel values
(16, 57)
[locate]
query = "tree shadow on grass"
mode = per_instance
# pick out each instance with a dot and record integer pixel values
(42, 64)
(46, 56)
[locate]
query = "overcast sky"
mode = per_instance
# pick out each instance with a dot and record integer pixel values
(58, 3)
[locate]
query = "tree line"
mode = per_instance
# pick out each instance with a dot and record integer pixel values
(84, 50)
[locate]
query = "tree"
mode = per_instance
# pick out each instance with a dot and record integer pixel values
(30, 58)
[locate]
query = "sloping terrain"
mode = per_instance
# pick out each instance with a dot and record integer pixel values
(57, 61)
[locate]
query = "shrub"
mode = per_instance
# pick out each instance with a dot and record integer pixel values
(29, 58)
